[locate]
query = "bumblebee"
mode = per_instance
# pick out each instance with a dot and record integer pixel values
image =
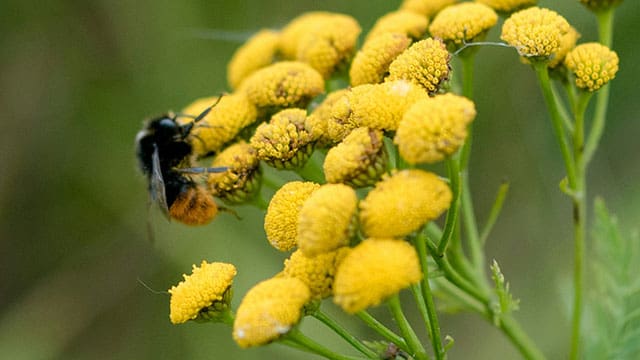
(165, 157)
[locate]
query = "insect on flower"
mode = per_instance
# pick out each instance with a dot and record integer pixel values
(165, 156)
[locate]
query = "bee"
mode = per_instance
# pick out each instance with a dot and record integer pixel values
(165, 157)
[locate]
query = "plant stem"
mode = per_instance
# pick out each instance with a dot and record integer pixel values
(345, 334)
(417, 350)
(305, 342)
(434, 325)
(471, 228)
(452, 214)
(519, 338)
(384, 331)
(495, 212)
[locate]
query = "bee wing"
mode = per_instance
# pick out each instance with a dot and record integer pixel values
(157, 191)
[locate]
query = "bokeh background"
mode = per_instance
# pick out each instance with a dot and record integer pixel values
(78, 77)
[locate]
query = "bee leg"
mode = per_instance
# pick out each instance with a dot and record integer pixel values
(203, 170)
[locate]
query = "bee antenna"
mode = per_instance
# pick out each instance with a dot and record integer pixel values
(206, 111)
(156, 292)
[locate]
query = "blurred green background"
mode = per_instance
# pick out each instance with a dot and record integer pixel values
(77, 80)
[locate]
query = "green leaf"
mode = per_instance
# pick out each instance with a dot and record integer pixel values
(506, 302)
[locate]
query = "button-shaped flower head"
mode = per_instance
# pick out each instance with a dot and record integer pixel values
(373, 271)
(317, 271)
(402, 203)
(281, 220)
(428, 8)
(203, 295)
(535, 32)
(269, 310)
(508, 6)
(463, 23)
(241, 181)
(593, 65)
(319, 119)
(259, 51)
(371, 63)
(567, 43)
(403, 22)
(425, 63)
(434, 128)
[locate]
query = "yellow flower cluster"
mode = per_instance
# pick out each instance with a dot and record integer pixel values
(600, 5)
(593, 65)
(535, 32)
(319, 119)
(508, 6)
(401, 22)
(425, 63)
(371, 63)
(259, 51)
(317, 272)
(462, 23)
(427, 8)
(241, 181)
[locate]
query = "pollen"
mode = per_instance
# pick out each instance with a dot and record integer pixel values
(428, 8)
(317, 272)
(207, 289)
(535, 32)
(269, 310)
(371, 63)
(403, 22)
(319, 119)
(281, 220)
(241, 181)
(373, 271)
(425, 63)
(508, 6)
(593, 65)
(194, 206)
(402, 203)
(462, 23)
(326, 220)
(434, 128)
(259, 51)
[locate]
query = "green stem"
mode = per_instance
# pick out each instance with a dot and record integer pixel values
(452, 214)
(467, 74)
(384, 331)
(305, 342)
(417, 350)
(434, 325)
(345, 334)
(566, 119)
(605, 26)
(520, 339)
(422, 307)
(495, 212)
(471, 230)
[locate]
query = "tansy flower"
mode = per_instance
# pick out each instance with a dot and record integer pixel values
(222, 124)
(462, 23)
(269, 310)
(403, 22)
(535, 32)
(319, 118)
(203, 295)
(296, 28)
(283, 84)
(567, 43)
(359, 160)
(373, 271)
(241, 181)
(508, 6)
(371, 63)
(317, 272)
(194, 206)
(285, 142)
(425, 63)
(259, 51)
(379, 106)
(281, 220)
(326, 219)
(401, 203)
(593, 65)
(600, 5)
(427, 8)
(434, 128)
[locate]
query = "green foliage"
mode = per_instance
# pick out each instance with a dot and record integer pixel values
(506, 302)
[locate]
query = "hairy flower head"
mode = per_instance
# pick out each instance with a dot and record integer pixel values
(401, 203)
(259, 51)
(425, 63)
(434, 128)
(508, 6)
(281, 220)
(204, 294)
(315, 271)
(326, 219)
(241, 181)
(593, 65)
(359, 160)
(371, 63)
(269, 310)
(373, 271)
(463, 23)
(319, 119)
(535, 32)
(600, 5)
(404, 22)
(427, 8)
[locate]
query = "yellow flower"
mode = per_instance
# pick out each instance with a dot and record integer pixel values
(281, 220)
(371, 63)
(203, 295)
(535, 32)
(319, 118)
(258, 52)
(593, 65)
(373, 271)
(317, 271)
(600, 5)
(508, 6)
(222, 124)
(434, 128)
(269, 310)
(359, 160)
(462, 23)
(403, 22)
(296, 28)
(326, 219)
(283, 84)
(567, 43)
(241, 181)
(400, 204)
(379, 106)
(425, 63)
(428, 8)
(285, 142)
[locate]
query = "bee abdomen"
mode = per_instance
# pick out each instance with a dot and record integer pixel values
(194, 206)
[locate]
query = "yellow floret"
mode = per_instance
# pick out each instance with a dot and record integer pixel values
(593, 65)
(269, 310)
(204, 294)
(463, 23)
(259, 51)
(241, 181)
(319, 118)
(600, 5)
(567, 43)
(428, 8)
(316, 271)
(403, 22)
(373, 271)
(434, 128)
(508, 6)
(425, 63)
(371, 63)
(359, 160)
(326, 219)
(535, 32)
(281, 220)
(402, 203)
